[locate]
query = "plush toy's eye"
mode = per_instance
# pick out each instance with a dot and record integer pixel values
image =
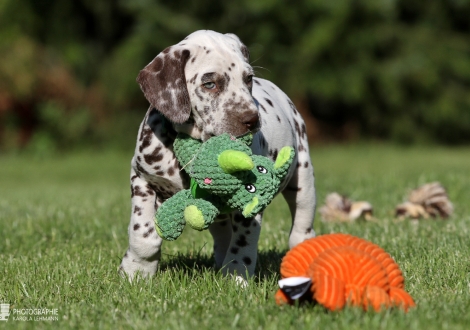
(262, 170)
(250, 187)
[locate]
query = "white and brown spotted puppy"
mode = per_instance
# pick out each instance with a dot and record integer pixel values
(204, 86)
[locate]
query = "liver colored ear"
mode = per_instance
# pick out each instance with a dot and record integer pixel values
(164, 84)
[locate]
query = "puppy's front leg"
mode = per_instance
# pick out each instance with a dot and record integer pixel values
(243, 250)
(221, 231)
(144, 252)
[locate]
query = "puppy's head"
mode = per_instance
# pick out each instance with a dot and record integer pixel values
(203, 85)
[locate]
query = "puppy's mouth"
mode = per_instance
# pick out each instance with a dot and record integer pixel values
(256, 128)
(252, 122)
(235, 127)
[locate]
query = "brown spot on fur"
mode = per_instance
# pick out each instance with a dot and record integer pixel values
(247, 260)
(292, 106)
(241, 241)
(145, 131)
(150, 190)
(147, 139)
(149, 232)
(275, 152)
(155, 156)
(198, 94)
(293, 188)
(193, 79)
(246, 222)
(245, 52)
(238, 217)
(138, 192)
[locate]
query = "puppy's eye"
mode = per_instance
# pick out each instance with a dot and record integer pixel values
(250, 188)
(209, 85)
(261, 169)
(249, 79)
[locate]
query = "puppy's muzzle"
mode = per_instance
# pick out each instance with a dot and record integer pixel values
(251, 120)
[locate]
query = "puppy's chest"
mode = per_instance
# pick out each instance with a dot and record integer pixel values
(155, 161)
(161, 170)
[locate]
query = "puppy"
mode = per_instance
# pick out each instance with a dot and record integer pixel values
(205, 86)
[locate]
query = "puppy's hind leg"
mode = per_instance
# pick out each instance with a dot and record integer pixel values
(300, 196)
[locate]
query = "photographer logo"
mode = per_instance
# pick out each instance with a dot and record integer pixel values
(4, 312)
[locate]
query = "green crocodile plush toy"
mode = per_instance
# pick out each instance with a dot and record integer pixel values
(225, 176)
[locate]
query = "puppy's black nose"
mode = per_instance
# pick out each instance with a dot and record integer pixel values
(251, 120)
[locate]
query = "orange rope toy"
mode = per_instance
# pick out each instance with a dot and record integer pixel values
(346, 270)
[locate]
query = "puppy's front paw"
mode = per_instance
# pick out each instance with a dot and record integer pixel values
(241, 282)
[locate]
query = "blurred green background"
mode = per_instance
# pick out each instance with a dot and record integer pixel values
(357, 69)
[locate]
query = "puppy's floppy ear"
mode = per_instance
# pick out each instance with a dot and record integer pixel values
(164, 84)
(243, 48)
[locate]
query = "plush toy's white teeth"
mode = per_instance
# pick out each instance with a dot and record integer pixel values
(295, 287)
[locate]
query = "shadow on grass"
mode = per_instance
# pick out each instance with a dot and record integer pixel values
(268, 264)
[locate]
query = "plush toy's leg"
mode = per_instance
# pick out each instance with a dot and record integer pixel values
(243, 250)
(169, 219)
(200, 214)
(221, 231)
(300, 196)
(143, 253)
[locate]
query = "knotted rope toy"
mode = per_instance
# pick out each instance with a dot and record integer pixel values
(225, 176)
(341, 269)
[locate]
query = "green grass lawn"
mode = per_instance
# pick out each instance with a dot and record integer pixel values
(64, 229)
